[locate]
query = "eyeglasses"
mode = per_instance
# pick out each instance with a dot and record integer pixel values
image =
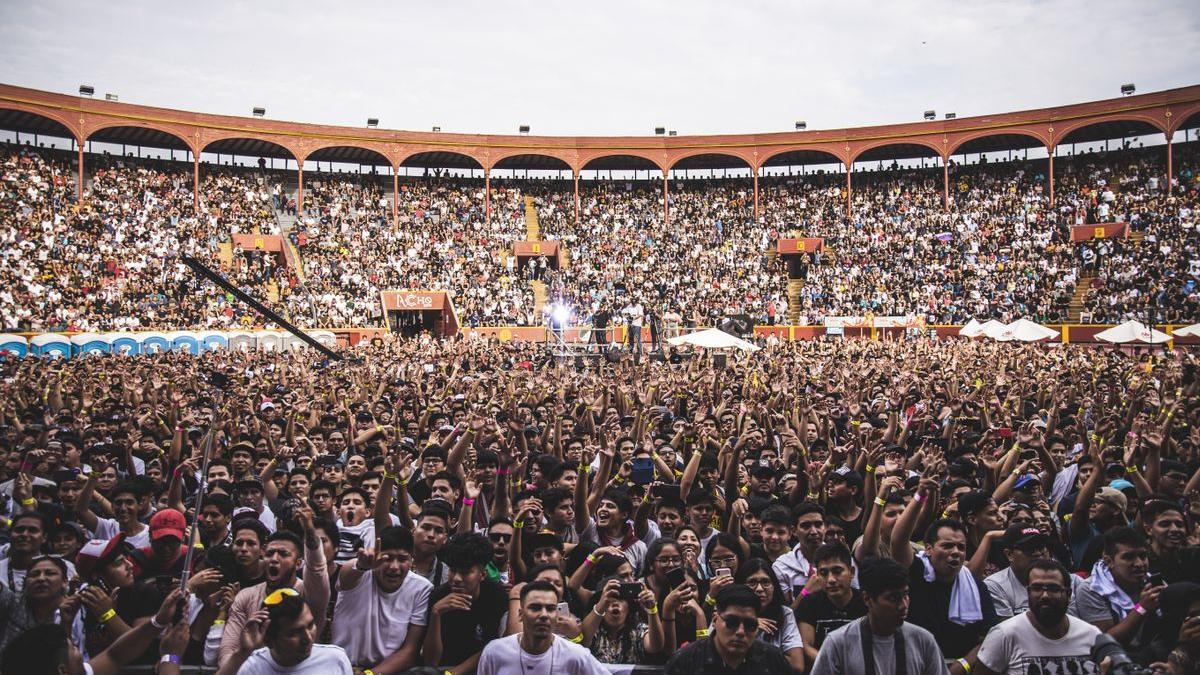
(500, 537)
(722, 562)
(736, 623)
(670, 561)
(277, 597)
(758, 583)
(1047, 589)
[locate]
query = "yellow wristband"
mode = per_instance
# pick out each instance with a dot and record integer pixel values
(519, 524)
(966, 665)
(104, 618)
(578, 639)
(710, 601)
(880, 502)
(870, 468)
(1131, 469)
(701, 633)
(368, 671)
(652, 610)
(28, 502)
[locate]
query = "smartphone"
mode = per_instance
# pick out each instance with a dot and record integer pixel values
(724, 572)
(1154, 579)
(676, 578)
(1004, 432)
(564, 609)
(643, 471)
(666, 490)
(630, 591)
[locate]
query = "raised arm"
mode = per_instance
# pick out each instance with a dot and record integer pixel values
(902, 532)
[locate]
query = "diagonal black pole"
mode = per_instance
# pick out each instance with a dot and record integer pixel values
(212, 276)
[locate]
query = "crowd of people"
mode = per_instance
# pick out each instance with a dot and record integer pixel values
(1000, 250)
(468, 505)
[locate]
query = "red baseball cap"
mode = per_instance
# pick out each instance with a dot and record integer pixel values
(167, 523)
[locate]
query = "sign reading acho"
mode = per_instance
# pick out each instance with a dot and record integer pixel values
(446, 322)
(1099, 231)
(546, 248)
(801, 245)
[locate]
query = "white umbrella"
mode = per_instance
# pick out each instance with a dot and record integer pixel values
(993, 329)
(1024, 330)
(1133, 331)
(713, 338)
(972, 329)
(1188, 331)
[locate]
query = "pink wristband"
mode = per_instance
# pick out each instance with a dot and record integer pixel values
(804, 592)
(1139, 609)
(918, 497)
(467, 501)
(501, 472)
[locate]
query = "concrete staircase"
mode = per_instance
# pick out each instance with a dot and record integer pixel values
(225, 254)
(1081, 289)
(793, 293)
(539, 296)
(533, 232)
(272, 291)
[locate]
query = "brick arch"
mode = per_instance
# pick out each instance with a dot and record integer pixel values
(471, 153)
(855, 153)
(657, 158)
(386, 150)
(207, 139)
(1178, 117)
(1061, 132)
(959, 142)
(566, 156)
(72, 126)
(739, 154)
(139, 124)
(775, 152)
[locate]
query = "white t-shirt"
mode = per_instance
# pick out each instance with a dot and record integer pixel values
(787, 637)
(504, 656)
(17, 577)
(324, 660)
(107, 528)
(371, 625)
(1014, 646)
(353, 537)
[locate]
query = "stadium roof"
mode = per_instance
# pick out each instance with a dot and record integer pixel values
(29, 111)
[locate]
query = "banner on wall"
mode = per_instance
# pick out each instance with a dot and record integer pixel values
(871, 321)
(1099, 231)
(801, 245)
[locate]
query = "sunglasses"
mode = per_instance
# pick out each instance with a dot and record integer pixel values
(735, 623)
(499, 537)
(277, 597)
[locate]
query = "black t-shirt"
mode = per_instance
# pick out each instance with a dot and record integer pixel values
(824, 616)
(464, 634)
(1183, 566)
(929, 608)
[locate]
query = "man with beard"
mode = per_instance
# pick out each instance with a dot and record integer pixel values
(536, 650)
(1044, 634)
(881, 643)
(285, 555)
(1167, 529)
(381, 610)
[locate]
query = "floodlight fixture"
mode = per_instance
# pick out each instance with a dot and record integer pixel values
(86, 90)
(259, 112)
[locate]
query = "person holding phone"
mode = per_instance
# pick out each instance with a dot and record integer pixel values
(623, 625)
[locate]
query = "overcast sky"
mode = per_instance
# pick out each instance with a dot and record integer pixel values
(609, 67)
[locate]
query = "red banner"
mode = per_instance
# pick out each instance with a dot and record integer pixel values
(258, 242)
(802, 245)
(534, 249)
(1099, 231)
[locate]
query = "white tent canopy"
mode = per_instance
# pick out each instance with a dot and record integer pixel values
(1188, 331)
(990, 328)
(1133, 331)
(713, 338)
(972, 329)
(1022, 330)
